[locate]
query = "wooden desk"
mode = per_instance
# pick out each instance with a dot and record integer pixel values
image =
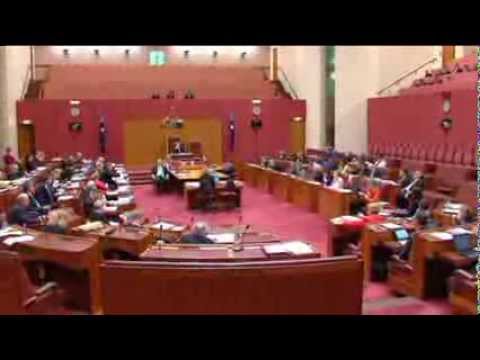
(333, 203)
(133, 241)
(299, 191)
(373, 234)
(214, 253)
(73, 252)
(192, 191)
(425, 247)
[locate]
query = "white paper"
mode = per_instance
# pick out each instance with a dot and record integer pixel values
(292, 247)
(391, 226)
(91, 226)
(9, 231)
(225, 238)
(164, 225)
(459, 231)
(65, 198)
(18, 239)
(442, 235)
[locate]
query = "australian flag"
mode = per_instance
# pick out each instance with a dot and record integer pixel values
(103, 135)
(232, 128)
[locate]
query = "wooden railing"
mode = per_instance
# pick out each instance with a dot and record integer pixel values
(407, 74)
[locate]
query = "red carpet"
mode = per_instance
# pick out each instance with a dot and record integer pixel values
(265, 213)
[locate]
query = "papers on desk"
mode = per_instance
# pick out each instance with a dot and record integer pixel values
(290, 247)
(192, 185)
(344, 191)
(9, 231)
(18, 239)
(391, 226)
(65, 197)
(124, 189)
(341, 219)
(166, 226)
(110, 209)
(41, 168)
(121, 201)
(224, 238)
(441, 236)
(458, 231)
(91, 226)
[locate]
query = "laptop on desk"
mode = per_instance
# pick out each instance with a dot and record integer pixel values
(463, 244)
(402, 236)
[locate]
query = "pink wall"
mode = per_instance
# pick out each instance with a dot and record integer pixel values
(51, 118)
(415, 119)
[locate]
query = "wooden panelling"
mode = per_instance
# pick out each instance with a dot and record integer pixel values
(146, 139)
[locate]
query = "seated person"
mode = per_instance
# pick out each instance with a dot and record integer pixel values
(14, 172)
(197, 235)
(30, 189)
(3, 220)
(22, 213)
(413, 185)
(337, 181)
(207, 189)
(359, 204)
(45, 193)
(40, 158)
(67, 170)
(327, 177)
(56, 223)
(9, 158)
(160, 174)
(229, 169)
(31, 163)
(317, 172)
(107, 175)
(379, 168)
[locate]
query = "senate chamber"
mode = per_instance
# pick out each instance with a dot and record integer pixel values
(217, 180)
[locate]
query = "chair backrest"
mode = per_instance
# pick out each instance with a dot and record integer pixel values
(308, 286)
(10, 283)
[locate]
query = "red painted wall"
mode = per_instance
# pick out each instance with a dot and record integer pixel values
(51, 119)
(415, 119)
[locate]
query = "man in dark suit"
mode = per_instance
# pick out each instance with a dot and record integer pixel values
(207, 190)
(45, 193)
(107, 175)
(198, 235)
(29, 189)
(22, 214)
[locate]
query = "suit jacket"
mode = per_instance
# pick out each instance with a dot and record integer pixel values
(20, 215)
(196, 239)
(45, 195)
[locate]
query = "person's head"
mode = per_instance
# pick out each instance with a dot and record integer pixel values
(418, 174)
(57, 174)
(424, 204)
(8, 150)
(95, 175)
(90, 185)
(200, 228)
(23, 200)
(29, 187)
(30, 157)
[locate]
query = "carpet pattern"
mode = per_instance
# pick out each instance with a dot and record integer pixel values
(268, 214)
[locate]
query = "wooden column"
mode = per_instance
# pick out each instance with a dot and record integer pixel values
(448, 55)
